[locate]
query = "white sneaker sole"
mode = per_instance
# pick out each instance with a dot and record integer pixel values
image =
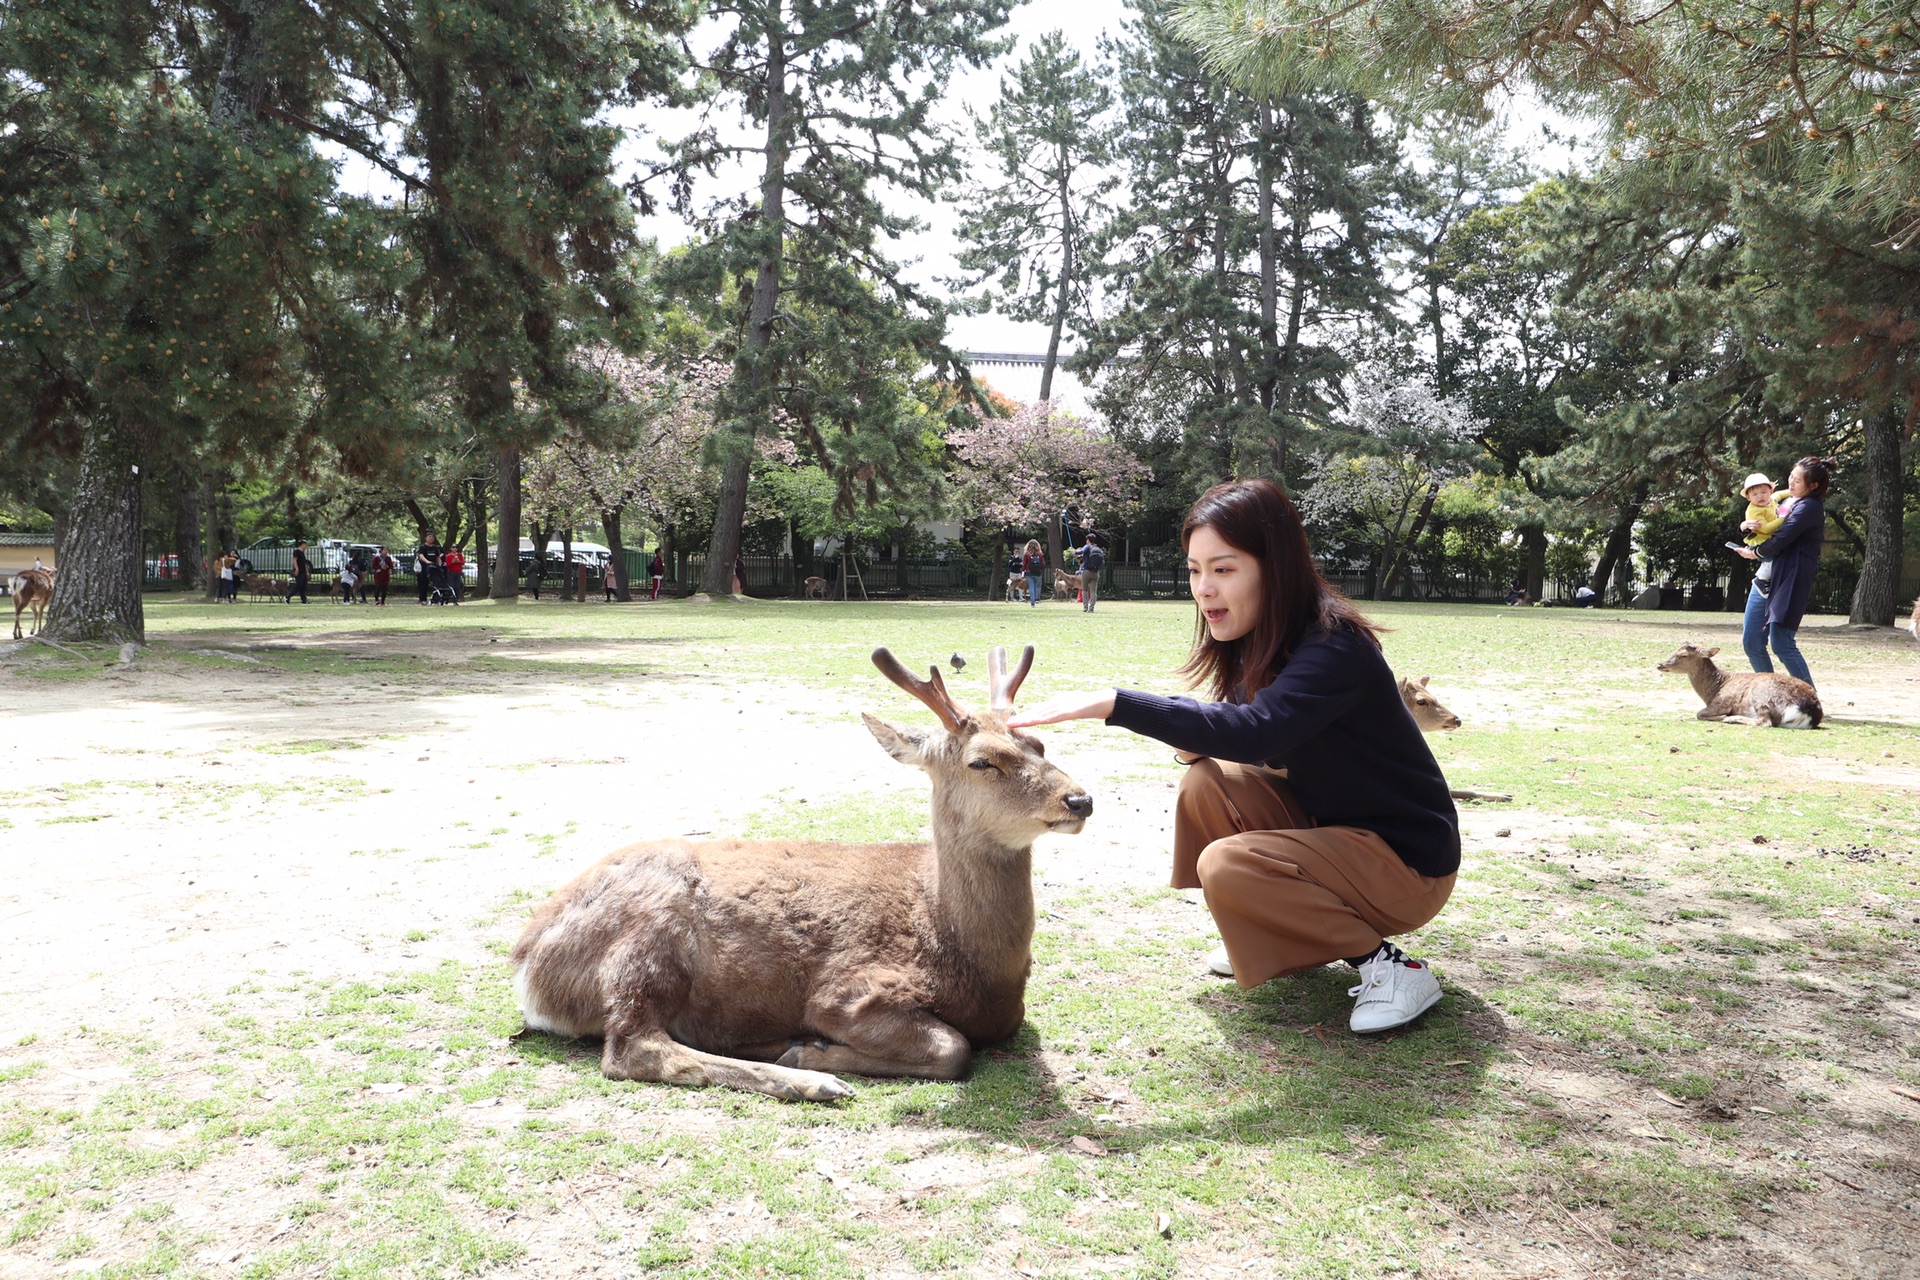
(1431, 1001)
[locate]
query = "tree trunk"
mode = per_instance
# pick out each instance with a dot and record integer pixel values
(610, 521)
(1269, 267)
(506, 581)
(567, 574)
(1875, 596)
(483, 581)
(96, 596)
(1533, 550)
(210, 526)
(1064, 295)
(1399, 565)
(724, 547)
(188, 553)
(1619, 545)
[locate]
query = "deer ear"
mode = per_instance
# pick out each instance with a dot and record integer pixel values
(1713, 651)
(1423, 681)
(904, 745)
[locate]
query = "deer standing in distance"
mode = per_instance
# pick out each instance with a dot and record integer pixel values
(30, 589)
(1746, 697)
(768, 964)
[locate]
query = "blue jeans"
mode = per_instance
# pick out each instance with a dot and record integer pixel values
(1756, 633)
(1033, 588)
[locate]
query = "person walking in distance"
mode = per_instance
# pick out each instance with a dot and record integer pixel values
(657, 571)
(1091, 558)
(1357, 840)
(426, 561)
(609, 580)
(1033, 563)
(302, 572)
(382, 570)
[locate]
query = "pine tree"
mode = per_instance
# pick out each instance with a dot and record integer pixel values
(841, 97)
(1026, 230)
(1819, 95)
(159, 245)
(1257, 226)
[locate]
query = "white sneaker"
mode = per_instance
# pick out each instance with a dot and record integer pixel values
(1217, 961)
(1393, 991)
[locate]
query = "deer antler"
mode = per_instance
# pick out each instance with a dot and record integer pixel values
(933, 692)
(1004, 686)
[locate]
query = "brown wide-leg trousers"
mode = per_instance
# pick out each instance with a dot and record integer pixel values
(1286, 894)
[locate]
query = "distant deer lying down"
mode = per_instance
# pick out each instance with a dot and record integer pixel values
(1426, 710)
(1746, 697)
(765, 964)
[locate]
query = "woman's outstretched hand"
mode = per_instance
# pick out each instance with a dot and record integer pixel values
(1073, 706)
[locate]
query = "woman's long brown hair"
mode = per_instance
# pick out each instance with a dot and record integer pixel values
(1255, 518)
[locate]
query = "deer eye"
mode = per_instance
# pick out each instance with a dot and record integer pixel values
(983, 764)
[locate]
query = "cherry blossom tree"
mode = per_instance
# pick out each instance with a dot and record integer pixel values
(1403, 441)
(1028, 469)
(643, 455)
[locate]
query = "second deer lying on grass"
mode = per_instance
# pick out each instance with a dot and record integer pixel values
(766, 964)
(1430, 717)
(1425, 709)
(1746, 697)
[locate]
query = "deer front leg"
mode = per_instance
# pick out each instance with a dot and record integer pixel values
(885, 1042)
(655, 1055)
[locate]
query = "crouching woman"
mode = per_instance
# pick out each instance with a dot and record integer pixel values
(1312, 813)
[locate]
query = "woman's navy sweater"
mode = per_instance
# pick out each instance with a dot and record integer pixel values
(1333, 719)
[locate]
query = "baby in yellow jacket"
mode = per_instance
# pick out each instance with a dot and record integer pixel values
(1768, 515)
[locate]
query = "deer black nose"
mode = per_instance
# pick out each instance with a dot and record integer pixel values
(1080, 806)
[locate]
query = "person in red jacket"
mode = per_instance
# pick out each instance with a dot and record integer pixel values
(455, 563)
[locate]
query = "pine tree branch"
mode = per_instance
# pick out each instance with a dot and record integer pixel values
(355, 145)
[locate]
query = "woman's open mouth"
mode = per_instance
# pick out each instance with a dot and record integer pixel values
(1214, 615)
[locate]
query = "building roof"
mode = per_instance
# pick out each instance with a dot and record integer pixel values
(26, 539)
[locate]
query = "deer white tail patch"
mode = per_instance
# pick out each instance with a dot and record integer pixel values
(1796, 717)
(536, 1018)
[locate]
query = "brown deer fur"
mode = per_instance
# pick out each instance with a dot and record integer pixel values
(1065, 584)
(1746, 697)
(1425, 709)
(30, 589)
(766, 964)
(815, 588)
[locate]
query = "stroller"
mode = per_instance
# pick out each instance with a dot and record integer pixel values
(439, 587)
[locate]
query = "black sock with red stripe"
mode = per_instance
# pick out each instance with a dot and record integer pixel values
(1386, 951)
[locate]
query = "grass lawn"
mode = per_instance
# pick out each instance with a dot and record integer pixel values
(1681, 1033)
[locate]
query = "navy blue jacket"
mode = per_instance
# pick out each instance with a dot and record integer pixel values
(1334, 720)
(1795, 551)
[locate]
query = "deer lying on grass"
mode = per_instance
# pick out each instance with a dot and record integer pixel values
(766, 964)
(1426, 710)
(30, 589)
(1746, 697)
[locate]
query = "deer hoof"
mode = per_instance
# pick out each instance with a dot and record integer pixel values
(797, 1051)
(820, 1087)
